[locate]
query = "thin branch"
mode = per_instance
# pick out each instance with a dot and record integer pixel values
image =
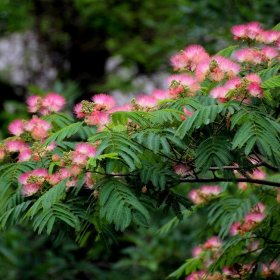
(235, 180)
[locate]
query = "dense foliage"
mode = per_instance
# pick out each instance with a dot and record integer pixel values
(209, 144)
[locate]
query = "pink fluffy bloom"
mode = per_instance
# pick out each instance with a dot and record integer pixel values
(41, 172)
(64, 173)
(51, 147)
(229, 67)
(15, 145)
(146, 101)
(197, 275)
(220, 93)
(34, 103)
(86, 149)
(103, 101)
(52, 102)
(271, 268)
(202, 69)
(212, 243)
(270, 53)
(249, 55)
(268, 36)
(72, 182)
(195, 197)
(160, 94)
(79, 158)
(242, 186)
(254, 217)
(75, 170)
(189, 58)
(253, 78)
(181, 169)
(24, 177)
(123, 108)
(217, 68)
(195, 54)
(54, 179)
(184, 80)
(258, 208)
(38, 178)
(235, 228)
(16, 127)
(187, 114)
(78, 110)
(98, 118)
(210, 190)
(258, 174)
(254, 87)
(30, 189)
(204, 193)
(246, 31)
(25, 155)
(89, 182)
(196, 251)
(38, 128)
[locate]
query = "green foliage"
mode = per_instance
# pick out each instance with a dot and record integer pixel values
(227, 211)
(120, 206)
(214, 151)
(205, 115)
(159, 159)
(273, 82)
(64, 132)
(256, 129)
(120, 143)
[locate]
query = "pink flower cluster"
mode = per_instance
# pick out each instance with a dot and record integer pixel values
(96, 112)
(70, 174)
(32, 181)
(82, 153)
(252, 219)
(254, 31)
(217, 69)
(24, 151)
(182, 84)
(257, 174)
(256, 56)
(208, 252)
(182, 169)
(51, 103)
(36, 127)
(12, 146)
(189, 58)
(239, 88)
(271, 269)
(73, 165)
(204, 194)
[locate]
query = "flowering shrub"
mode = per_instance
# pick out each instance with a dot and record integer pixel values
(217, 125)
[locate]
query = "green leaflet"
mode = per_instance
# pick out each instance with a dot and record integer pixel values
(229, 210)
(214, 151)
(64, 132)
(119, 205)
(204, 116)
(256, 130)
(227, 51)
(273, 82)
(121, 145)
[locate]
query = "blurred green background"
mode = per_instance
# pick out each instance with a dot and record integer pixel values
(78, 48)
